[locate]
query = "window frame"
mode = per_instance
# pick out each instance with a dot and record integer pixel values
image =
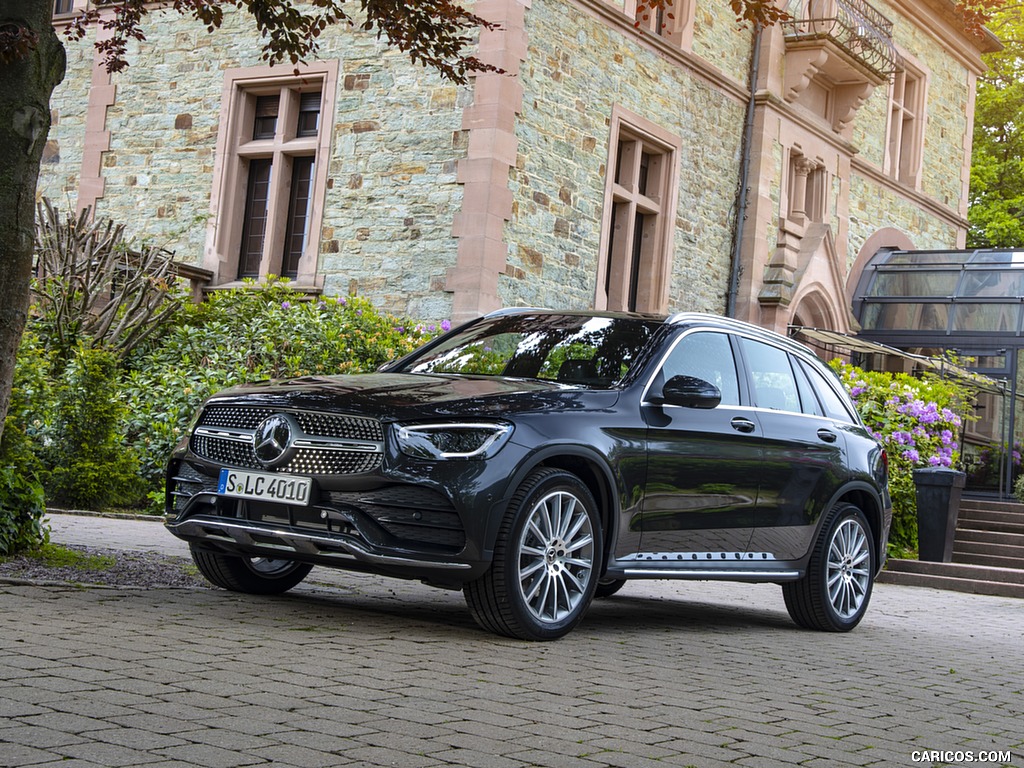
(236, 147)
(677, 30)
(631, 277)
(906, 118)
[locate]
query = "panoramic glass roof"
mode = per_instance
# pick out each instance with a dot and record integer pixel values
(942, 293)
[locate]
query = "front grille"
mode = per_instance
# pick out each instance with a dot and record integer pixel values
(241, 421)
(223, 451)
(314, 423)
(314, 461)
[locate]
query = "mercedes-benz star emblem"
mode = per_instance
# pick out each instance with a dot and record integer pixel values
(272, 440)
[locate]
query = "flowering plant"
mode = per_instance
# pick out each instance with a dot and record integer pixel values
(918, 421)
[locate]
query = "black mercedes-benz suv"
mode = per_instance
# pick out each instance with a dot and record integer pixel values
(536, 459)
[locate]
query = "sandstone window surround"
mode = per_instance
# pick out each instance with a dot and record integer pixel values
(634, 266)
(905, 132)
(808, 189)
(674, 23)
(270, 174)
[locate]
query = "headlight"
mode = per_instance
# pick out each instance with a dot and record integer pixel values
(452, 441)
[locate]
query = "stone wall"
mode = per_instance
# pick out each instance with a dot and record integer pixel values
(397, 137)
(62, 160)
(387, 231)
(947, 120)
(571, 84)
(874, 207)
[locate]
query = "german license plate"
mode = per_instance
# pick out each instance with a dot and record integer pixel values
(286, 489)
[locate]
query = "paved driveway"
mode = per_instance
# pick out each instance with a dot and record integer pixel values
(363, 671)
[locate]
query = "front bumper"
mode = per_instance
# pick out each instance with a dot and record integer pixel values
(371, 523)
(333, 549)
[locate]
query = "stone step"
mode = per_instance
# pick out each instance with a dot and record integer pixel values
(987, 524)
(991, 506)
(995, 548)
(956, 577)
(990, 536)
(990, 516)
(988, 559)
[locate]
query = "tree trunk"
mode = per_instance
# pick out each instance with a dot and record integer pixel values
(32, 62)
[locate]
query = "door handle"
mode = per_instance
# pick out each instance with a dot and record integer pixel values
(741, 424)
(827, 435)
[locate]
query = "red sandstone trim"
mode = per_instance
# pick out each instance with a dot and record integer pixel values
(102, 94)
(492, 150)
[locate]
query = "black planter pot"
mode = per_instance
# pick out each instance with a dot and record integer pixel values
(938, 502)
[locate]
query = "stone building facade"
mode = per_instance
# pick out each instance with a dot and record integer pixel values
(680, 162)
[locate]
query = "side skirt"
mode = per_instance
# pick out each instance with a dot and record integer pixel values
(721, 566)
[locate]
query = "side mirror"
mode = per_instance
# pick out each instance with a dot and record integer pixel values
(691, 392)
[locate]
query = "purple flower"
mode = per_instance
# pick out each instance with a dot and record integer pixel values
(446, 325)
(431, 327)
(903, 438)
(857, 391)
(286, 305)
(400, 329)
(911, 455)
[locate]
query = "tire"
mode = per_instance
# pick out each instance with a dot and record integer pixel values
(834, 594)
(253, 575)
(546, 560)
(608, 587)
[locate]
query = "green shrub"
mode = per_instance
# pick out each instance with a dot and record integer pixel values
(918, 420)
(248, 334)
(89, 464)
(21, 492)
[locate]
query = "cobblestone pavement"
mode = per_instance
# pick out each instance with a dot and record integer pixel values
(362, 671)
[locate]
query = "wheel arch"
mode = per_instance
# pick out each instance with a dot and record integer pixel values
(865, 498)
(592, 471)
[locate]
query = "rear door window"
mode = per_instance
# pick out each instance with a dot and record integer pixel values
(771, 376)
(834, 405)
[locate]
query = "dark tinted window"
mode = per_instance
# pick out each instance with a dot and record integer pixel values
(835, 406)
(572, 349)
(708, 356)
(771, 376)
(808, 399)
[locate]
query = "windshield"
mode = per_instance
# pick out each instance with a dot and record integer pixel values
(572, 349)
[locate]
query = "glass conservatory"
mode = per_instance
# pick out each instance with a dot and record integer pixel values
(928, 305)
(969, 304)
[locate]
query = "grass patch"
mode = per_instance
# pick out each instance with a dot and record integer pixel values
(56, 556)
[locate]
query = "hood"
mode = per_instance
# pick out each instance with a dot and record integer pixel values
(392, 396)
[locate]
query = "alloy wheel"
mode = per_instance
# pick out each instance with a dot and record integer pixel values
(848, 570)
(556, 557)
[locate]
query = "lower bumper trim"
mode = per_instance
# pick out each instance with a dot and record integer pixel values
(261, 538)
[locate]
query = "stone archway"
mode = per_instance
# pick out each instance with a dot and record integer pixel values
(887, 237)
(815, 310)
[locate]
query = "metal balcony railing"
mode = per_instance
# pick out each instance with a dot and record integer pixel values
(855, 26)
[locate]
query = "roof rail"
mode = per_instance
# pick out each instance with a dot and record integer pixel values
(514, 310)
